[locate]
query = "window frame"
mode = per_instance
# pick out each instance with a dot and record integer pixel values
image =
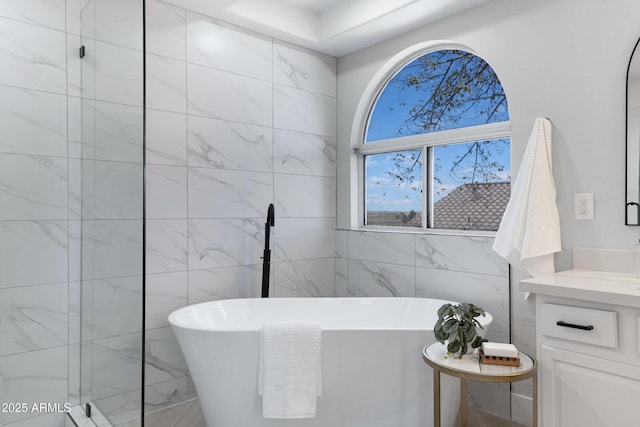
(425, 141)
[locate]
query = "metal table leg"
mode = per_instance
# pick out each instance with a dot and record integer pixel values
(436, 398)
(463, 402)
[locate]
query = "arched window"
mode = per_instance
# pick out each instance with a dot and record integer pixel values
(436, 147)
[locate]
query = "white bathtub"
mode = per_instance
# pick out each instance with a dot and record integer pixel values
(373, 374)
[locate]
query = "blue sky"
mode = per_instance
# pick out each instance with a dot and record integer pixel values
(389, 119)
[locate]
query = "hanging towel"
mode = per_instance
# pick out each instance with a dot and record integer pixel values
(529, 232)
(289, 377)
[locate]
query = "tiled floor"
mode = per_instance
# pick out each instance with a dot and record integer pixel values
(479, 418)
(189, 414)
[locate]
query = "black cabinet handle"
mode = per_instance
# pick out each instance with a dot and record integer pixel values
(574, 326)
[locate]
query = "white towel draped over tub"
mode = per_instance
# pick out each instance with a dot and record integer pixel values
(289, 377)
(530, 229)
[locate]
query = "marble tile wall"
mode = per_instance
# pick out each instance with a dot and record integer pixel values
(235, 121)
(44, 220)
(111, 202)
(450, 267)
(39, 219)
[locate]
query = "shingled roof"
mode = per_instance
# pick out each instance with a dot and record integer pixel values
(472, 207)
(476, 206)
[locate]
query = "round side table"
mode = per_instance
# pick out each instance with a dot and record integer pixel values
(471, 368)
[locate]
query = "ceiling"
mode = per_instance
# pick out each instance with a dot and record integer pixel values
(334, 27)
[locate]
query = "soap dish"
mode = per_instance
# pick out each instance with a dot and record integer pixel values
(499, 360)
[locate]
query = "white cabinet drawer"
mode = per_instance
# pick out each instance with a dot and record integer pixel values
(584, 325)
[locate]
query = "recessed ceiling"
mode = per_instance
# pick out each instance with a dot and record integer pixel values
(334, 27)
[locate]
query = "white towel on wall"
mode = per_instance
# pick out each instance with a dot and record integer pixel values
(290, 376)
(529, 232)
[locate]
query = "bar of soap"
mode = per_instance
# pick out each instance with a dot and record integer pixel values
(499, 349)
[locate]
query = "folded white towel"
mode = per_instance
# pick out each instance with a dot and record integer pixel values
(529, 232)
(290, 378)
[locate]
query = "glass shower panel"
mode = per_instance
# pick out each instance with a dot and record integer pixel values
(111, 356)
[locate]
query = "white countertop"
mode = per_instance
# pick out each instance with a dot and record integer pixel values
(597, 286)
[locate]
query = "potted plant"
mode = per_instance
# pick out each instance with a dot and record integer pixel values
(458, 327)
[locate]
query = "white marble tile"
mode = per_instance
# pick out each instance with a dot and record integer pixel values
(119, 22)
(34, 377)
(74, 9)
(164, 395)
(342, 278)
(165, 293)
(85, 371)
(118, 190)
(303, 238)
(222, 144)
(74, 127)
(166, 245)
(224, 242)
(217, 193)
(116, 308)
(487, 291)
(33, 187)
(342, 243)
(459, 253)
(74, 373)
(33, 122)
(33, 318)
(188, 414)
(166, 29)
(112, 73)
(75, 308)
(120, 409)
(166, 84)
(84, 144)
(116, 248)
(302, 111)
(222, 283)
(304, 278)
(305, 196)
(304, 154)
(117, 367)
(75, 189)
(244, 99)
(75, 250)
(46, 13)
(395, 248)
(33, 252)
(163, 358)
(74, 66)
(46, 420)
(87, 190)
(166, 138)
(304, 69)
(378, 279)
(32, 57)
(167, 191)
(117, 131)
(228, 48)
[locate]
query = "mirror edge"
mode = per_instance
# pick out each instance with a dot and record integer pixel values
(626, 140)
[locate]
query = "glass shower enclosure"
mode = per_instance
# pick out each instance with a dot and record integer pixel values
(112, 244)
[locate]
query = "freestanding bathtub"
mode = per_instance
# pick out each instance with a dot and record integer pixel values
(373, 374)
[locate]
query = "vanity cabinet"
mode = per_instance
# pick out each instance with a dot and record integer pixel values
(588, 348)
(579, 390)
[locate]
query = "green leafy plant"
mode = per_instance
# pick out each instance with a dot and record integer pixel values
(456, 325)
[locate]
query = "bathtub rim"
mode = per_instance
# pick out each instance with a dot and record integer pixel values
(176, 322)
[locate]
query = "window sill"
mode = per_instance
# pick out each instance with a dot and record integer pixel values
(420, 231)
